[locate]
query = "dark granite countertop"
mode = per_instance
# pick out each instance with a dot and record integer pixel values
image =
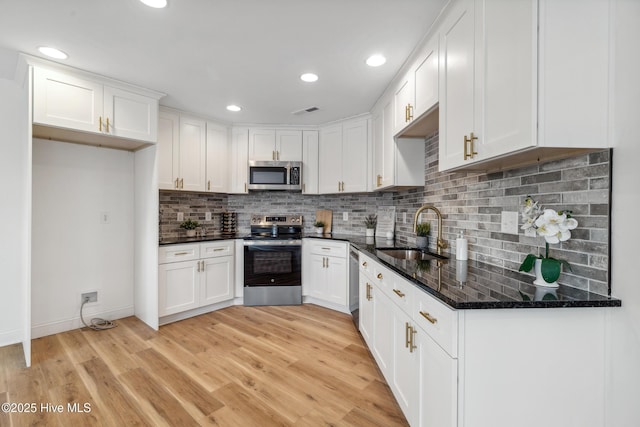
(459, 284)
(472, 284)
(208, 238)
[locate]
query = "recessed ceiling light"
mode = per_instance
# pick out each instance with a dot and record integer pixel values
(233, 108)
(52, 52)
(376, 60)
(309, 77)
(158, 4)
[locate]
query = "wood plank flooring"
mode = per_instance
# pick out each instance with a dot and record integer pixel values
(240, 366)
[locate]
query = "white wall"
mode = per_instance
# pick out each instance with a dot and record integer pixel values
(14, 218)
(73, 251)
(623, 408)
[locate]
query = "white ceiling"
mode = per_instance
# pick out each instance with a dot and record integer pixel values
(206, 54)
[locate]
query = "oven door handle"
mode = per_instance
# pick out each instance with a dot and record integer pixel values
(272, 242)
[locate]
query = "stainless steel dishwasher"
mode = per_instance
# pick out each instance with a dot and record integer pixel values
(354, 280)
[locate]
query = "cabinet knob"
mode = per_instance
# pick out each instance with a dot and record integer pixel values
(379, 276)
(364, 264)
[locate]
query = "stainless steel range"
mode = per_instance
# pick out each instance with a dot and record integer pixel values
(273, 261)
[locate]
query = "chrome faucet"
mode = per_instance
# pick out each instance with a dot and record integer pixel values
(441, 243)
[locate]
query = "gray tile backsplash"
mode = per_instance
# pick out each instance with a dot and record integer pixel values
(471, 202)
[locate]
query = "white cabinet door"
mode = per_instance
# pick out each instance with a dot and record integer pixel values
(310, 162)
(426, 80)
(193, 134)
(383, 314)
(289, 145)
(178, 287)
(316, 277)
(168, 152)
(457, 83)
(355, 143)
(66, 101)
(330, 159)
(336, 284)
(217, 158)
(403, 103)
(216, 280)
(365, 319)
(405, 383)
(508, 72)
(130, 115)
(239, 160)
(438, 379)
(262, 144)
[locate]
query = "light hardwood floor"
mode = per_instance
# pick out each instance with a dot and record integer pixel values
(240, 366)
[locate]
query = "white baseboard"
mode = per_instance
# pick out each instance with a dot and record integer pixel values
(195, 312)
(51, 328)
(11, 337)
(326, 304)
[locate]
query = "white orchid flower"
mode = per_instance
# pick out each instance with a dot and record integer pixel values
(549, 216)
(528, 223)
(568, 224)
(549, 231)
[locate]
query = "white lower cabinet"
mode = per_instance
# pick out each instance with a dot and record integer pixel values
(195, 275)
(477, 368)
(326, 274)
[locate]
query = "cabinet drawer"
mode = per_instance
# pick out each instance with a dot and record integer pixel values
(437, 320)
(216, 249)
(176, 253)
(328, 248)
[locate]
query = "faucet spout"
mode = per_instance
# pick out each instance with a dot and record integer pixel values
(441, 243)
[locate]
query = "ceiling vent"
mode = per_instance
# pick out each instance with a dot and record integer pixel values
(305, 110)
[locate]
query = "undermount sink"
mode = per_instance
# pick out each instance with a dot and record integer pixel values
(409, 253)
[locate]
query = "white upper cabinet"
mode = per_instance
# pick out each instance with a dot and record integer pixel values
(272, 144)
(168, 151)
(193, 155)
(417, 92)
(508, 94)
(289, 145)
(344, 157)
(425, 76)
(310, 162)
(398, 162)
(193, 161)
(217, 158)
(239, 151)
(65, 102)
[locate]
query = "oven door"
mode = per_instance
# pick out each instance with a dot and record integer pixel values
(278, 264)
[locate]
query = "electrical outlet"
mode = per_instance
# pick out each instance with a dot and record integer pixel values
(345, 216)
(509, 222)
(180, 216)
(207, 216)
(89, 297)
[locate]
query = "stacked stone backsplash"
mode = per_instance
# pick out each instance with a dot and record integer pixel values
(471, 202)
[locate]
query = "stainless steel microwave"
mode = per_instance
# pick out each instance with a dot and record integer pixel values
(275, 175)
